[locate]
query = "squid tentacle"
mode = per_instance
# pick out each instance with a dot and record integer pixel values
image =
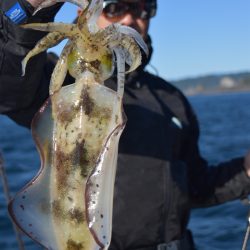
(130, 47)
(45, 4)
(60, 70)
(129, 39)
(52, 27)
(94, 11)
(135, 35)
(120, 60)
(50, 40)
(48, 3)
(87, 20)
(115, 32)
(133, 53)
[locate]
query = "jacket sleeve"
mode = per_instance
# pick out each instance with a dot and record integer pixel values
(21, 96)
(212, 185)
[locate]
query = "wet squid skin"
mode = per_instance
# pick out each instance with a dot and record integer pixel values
(78, 150)
(68, 205)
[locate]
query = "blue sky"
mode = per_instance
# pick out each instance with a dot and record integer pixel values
(193, 37)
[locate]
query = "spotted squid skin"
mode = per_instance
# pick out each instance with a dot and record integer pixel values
(77, 151)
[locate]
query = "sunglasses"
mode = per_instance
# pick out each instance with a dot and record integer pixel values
(116, 10)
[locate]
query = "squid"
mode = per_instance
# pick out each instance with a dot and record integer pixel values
(68, 204)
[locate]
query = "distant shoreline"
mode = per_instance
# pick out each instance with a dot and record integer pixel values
(215, 83)
(217, 91)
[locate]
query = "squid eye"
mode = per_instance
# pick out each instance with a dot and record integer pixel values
(74, 62)
(107, 66)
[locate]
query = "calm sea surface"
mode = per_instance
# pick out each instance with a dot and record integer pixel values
(225, 133)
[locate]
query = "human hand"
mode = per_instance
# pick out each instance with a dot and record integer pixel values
(247, 163)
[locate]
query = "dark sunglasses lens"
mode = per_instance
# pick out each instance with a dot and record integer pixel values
(114, 10)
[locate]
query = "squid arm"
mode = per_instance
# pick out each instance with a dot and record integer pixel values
(53, 38)
(45, 4)
(60, 71)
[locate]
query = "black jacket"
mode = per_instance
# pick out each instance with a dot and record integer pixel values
(161, 175)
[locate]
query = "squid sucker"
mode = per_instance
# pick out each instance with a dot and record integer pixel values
(68, 205)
